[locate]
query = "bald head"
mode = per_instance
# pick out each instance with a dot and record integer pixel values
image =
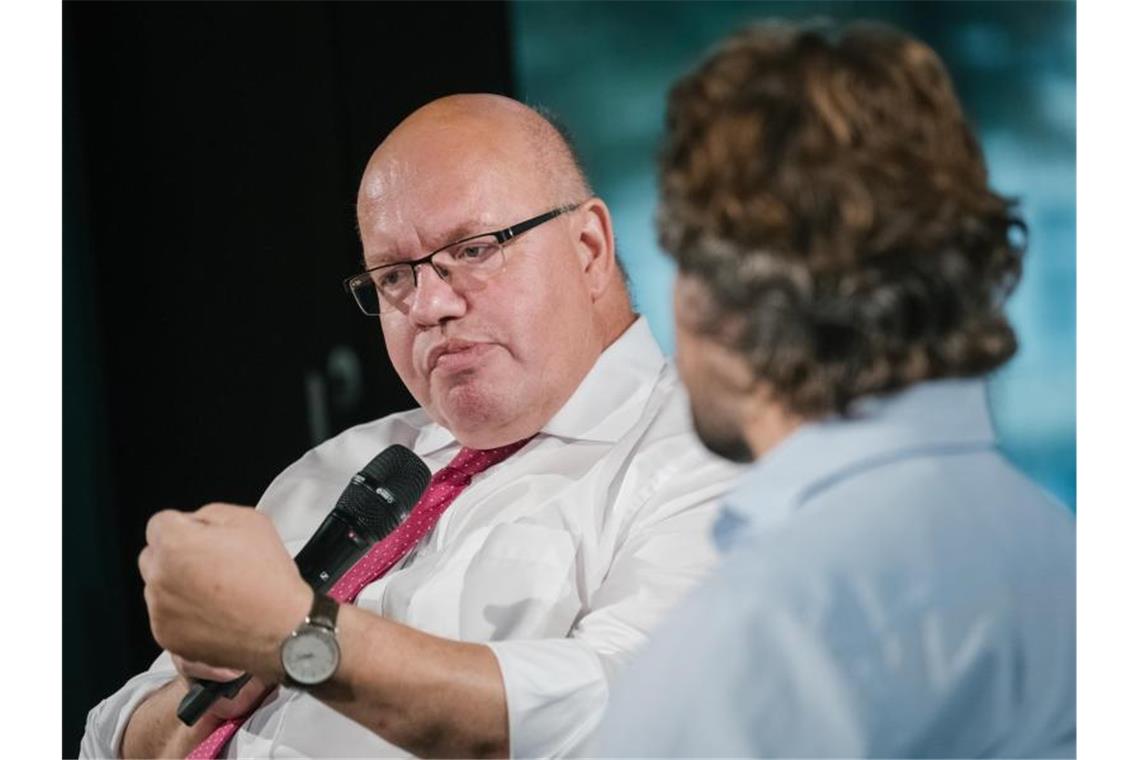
(515, 134)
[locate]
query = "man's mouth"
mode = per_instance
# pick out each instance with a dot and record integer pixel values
(455, 355)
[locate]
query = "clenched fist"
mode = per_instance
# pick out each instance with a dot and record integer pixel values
(221, 589)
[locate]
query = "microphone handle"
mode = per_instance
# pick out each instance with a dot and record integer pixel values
(204, 693)
(333, 549)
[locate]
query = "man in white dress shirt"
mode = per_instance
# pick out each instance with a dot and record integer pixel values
(500, 633)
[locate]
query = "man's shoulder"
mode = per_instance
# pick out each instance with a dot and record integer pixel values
(948, 495)
(305, 490)
(907, 532)
(403, 428)
(357, 445)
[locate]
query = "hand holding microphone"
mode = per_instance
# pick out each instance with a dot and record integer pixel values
(219, 583)
(220, 587)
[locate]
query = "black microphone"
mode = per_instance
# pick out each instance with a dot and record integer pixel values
(374, 502)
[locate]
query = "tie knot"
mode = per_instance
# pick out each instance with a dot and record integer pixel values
(470, 462)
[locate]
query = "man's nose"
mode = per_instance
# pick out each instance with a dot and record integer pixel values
(434, 299)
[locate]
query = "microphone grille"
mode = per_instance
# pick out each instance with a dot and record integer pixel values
(396, 478)
(400, 471)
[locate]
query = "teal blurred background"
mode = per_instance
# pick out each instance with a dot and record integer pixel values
(605, 68)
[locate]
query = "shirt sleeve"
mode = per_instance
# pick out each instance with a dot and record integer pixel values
(107, 721)
(557, 689)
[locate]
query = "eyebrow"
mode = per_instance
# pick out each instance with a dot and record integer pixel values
(454, 234)
(457, 233)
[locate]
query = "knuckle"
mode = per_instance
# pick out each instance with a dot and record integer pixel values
(216, 509)
(159, 525)
(151, 569)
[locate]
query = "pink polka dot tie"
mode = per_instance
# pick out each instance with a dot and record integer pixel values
(445, 486)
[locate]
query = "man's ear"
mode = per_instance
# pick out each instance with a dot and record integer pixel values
(595, 246)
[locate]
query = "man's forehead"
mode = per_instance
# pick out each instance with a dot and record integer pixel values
(443, 205)
(396, 229)
(437, 180)
(442, 147)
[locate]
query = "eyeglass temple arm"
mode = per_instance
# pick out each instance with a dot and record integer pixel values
(510, 232)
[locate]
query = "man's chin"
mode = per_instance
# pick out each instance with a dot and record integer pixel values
(721, 441)
(470, 406)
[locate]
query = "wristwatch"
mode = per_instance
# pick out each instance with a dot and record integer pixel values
(310, 654)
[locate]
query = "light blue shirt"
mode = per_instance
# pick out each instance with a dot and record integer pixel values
(891, 587)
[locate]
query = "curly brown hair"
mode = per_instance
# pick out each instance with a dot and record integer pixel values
(825, 186)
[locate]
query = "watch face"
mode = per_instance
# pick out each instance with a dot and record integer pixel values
(310, 655)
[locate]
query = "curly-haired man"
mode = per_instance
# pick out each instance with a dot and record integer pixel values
(891, 586)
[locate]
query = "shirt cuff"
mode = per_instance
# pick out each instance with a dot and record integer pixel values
(556, 693)
(107, 721)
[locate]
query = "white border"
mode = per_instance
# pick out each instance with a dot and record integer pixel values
(30, 304)
(1108, 313)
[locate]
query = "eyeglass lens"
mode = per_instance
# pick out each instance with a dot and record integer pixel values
(463, 266)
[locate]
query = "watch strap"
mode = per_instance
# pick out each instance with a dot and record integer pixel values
(323, 611)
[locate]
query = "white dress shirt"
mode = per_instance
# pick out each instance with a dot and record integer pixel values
(891, 587)
(561, 558)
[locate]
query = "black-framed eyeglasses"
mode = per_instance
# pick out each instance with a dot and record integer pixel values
(464, 264)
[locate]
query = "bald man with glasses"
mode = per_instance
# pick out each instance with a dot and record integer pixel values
(466, 264)
(491, 268)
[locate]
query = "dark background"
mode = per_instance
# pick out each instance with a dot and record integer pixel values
(211, 158)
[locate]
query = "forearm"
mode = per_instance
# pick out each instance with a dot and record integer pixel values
(154, 729)
(432, 696)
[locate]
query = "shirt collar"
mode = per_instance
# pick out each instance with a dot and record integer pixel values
(606, 404)
(941, 414)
